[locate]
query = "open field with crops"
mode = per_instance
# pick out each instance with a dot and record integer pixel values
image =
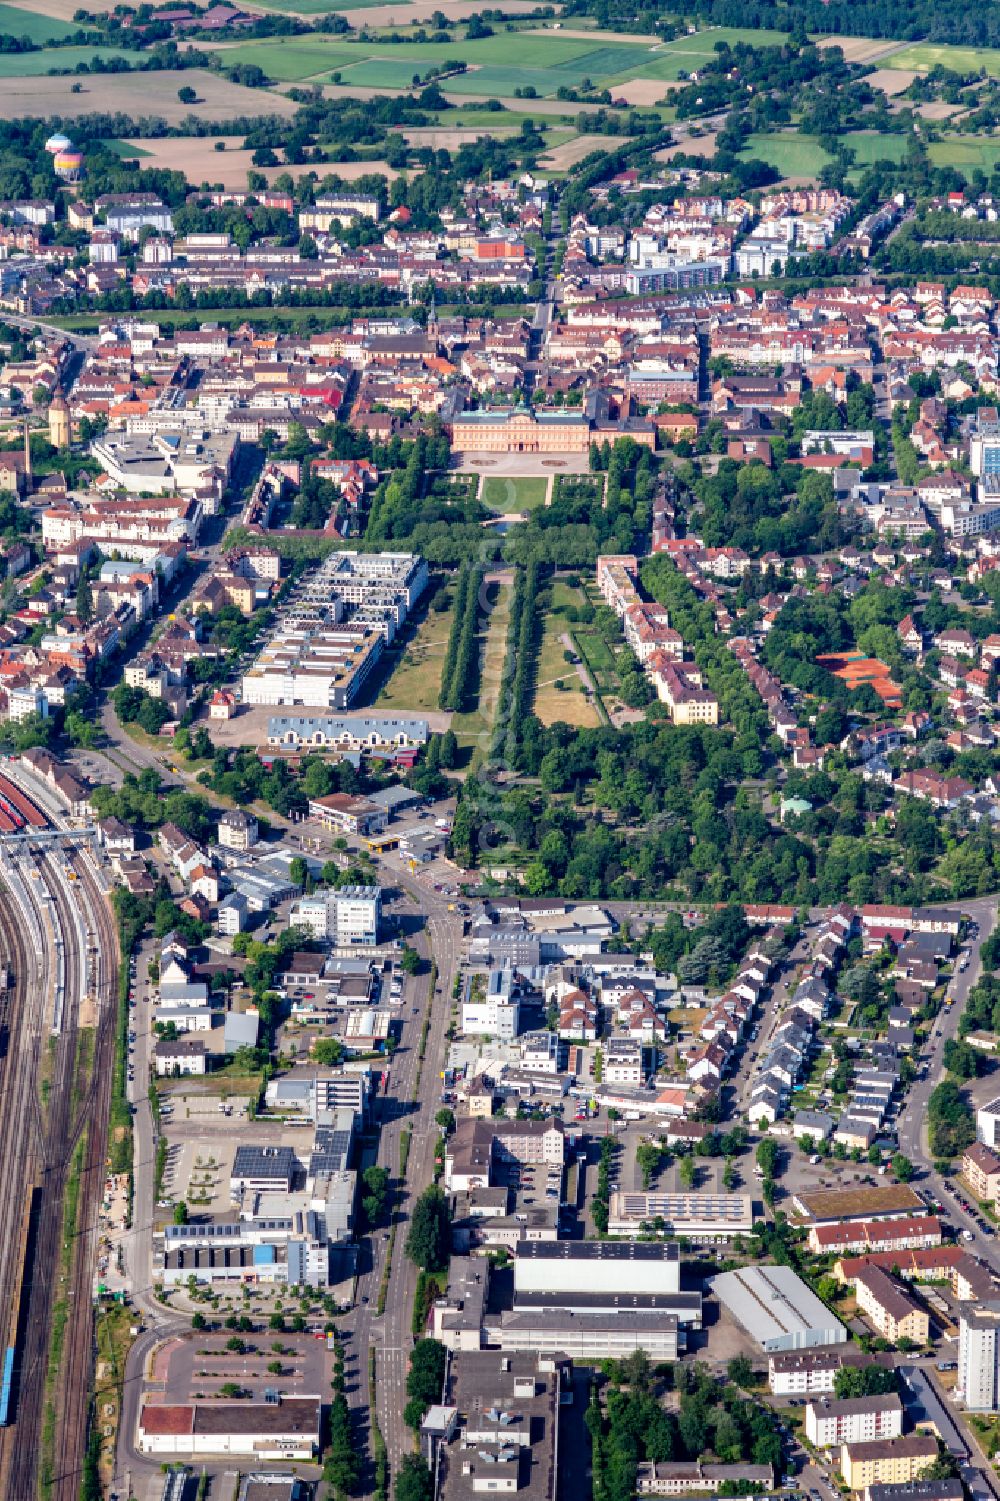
(966, 153)
(31, 64)
(891, 81)
(563, 158)
(543, 59)
(40, 29)
(139, 95)
(923, 56)
(201, 163)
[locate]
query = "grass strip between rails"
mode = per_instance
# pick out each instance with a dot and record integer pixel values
(60, 1317)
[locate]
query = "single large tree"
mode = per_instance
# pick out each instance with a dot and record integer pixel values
(413, 1479)
(429, 1239)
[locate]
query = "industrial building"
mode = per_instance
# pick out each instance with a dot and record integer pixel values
(704, 1218)
(504, 1435)
(776, 1308)
(590, 1336)
(261, 1430)
(827, 1206)
(576, 1267)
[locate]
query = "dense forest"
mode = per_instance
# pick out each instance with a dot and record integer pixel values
(949, 21)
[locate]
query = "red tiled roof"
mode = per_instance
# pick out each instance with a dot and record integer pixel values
(167, 1420)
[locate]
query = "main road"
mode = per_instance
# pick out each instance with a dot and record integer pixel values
(913, 1127)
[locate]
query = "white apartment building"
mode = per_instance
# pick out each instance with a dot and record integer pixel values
(495, 1016)
(798, 1373)
(854, 1420)
(978, 1382)
(988, 1124)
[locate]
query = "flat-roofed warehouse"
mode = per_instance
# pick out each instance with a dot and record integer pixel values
(777, 1309)
(895, 1201)
(594, 1335)
(286, 1429)
(702, 1217)
(577, 1266)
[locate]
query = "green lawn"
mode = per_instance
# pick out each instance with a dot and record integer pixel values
(56, 59)
(41, 29)
(416, 680)
(568, 704)
(791, 155)
(703, 42)
(869, 147)
(925, 55)
(521, 494)
(965, 152)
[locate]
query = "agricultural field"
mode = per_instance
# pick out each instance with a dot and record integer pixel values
(966, 153)
(857, 49)
(198, 159)
(509, 495)
(139, 95)
(290, 60)
(496, 65)
(544, 59)
(60, 10)
(38, 29)
(923, 56)
(65, 59)
(566, 156)
(891, 81)
(378, 12)
(319, 7)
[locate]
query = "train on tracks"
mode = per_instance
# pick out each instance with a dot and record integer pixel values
(17, 811)
(17, 1310)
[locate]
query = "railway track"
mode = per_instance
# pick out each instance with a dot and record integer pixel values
(92, 1112)
(41, 1148)
(45, 1285)
(20, 1152)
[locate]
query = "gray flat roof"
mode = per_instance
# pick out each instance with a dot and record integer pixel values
(592, 1250)
(776, 1308)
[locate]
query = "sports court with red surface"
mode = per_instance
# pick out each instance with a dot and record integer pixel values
(855, 670)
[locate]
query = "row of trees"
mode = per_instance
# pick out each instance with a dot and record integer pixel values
(460, 673)
(523, 635)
